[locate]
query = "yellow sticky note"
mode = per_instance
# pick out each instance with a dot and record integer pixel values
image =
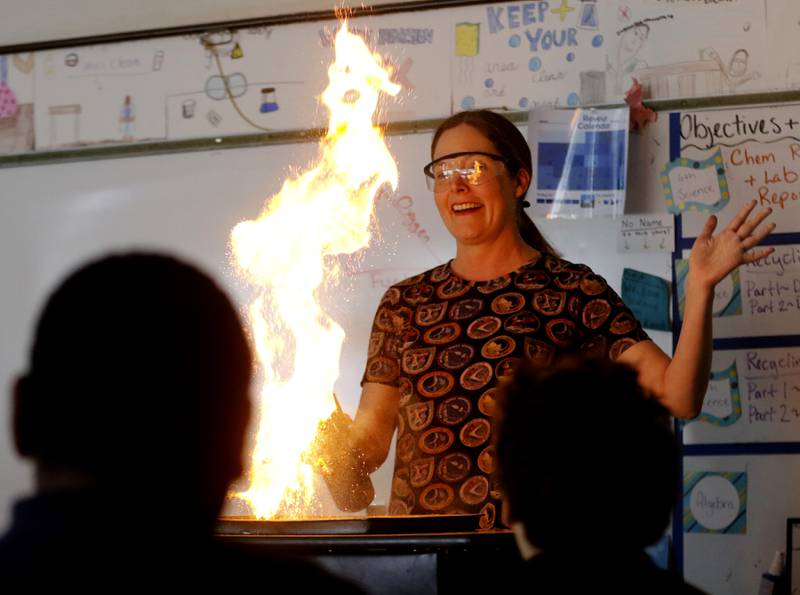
(468, 39)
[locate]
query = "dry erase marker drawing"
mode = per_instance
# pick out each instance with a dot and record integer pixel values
(187, 108)
(400, 73)
(223, 43)
(236, 84)
(127, 119)
(269, 102)
(588, 17)
(24, 63)
(563, 10)
(213, 118)
(158, 60)
(715, 502)
(16, 134)
(64, 124)
(690, 185)
(735, 72)
(626, 59)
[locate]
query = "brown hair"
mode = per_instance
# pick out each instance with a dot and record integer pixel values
(547, 470)
(510, 143)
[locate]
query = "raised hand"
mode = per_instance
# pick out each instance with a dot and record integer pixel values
(714, 257)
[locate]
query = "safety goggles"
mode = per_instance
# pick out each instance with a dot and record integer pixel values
(474, 167)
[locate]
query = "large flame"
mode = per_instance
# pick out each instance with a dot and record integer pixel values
(323, 212)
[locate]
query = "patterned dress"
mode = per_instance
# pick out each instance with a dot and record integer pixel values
(446, 342)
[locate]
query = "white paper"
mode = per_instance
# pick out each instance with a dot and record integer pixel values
(646, 233)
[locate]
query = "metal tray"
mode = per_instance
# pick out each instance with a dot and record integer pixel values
(373, 525)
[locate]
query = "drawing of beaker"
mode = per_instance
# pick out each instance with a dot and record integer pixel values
(187, 108)
(268, 100)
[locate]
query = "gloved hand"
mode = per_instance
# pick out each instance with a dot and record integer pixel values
(340, 464)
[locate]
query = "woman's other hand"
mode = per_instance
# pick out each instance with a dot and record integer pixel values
(714, 257)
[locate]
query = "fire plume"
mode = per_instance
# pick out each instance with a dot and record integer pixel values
(285, 254)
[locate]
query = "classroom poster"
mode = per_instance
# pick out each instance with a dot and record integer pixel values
(753, 396)
(735, 156)
(522, 55)
(579, 160)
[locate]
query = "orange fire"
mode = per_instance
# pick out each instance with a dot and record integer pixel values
(323, 212)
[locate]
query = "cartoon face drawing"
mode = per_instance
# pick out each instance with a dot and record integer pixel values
(738, 63)
(632, 41)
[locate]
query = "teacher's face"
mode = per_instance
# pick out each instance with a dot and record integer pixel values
(477, 214)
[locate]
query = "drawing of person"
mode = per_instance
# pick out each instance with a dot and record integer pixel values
(734, 74)
(127, 116)
(626, 63)
(737, 70)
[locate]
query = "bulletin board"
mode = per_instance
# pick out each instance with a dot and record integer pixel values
(740, 452)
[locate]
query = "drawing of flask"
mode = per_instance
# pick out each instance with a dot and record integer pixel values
(268, 101)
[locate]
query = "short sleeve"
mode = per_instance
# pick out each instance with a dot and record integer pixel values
(385, 339)
(608, 325)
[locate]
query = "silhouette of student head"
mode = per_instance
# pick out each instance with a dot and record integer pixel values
(137, 387)
(582, 452)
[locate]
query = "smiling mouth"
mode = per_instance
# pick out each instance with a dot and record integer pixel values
(465, 207)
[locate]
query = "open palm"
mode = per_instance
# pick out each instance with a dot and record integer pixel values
(714, 257)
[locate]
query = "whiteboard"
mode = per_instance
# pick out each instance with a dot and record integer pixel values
(56, 217)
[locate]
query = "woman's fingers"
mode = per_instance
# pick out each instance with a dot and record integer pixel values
(754, 239)
(709, 227)
(741, 216)
(746, 228)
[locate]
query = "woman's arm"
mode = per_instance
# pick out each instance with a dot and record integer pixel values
(375, 421)
(680, 384)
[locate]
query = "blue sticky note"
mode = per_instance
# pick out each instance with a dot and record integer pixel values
(648, 297)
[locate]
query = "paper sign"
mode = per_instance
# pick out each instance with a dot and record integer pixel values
(690, 185)
(648, 297)
(579, 159)
(715, 502)
(646, 233)
(722, 405)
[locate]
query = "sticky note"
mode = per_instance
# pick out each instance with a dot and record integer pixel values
(648, 297)
(467, 39)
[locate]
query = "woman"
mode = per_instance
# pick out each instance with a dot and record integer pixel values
(442, 340)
